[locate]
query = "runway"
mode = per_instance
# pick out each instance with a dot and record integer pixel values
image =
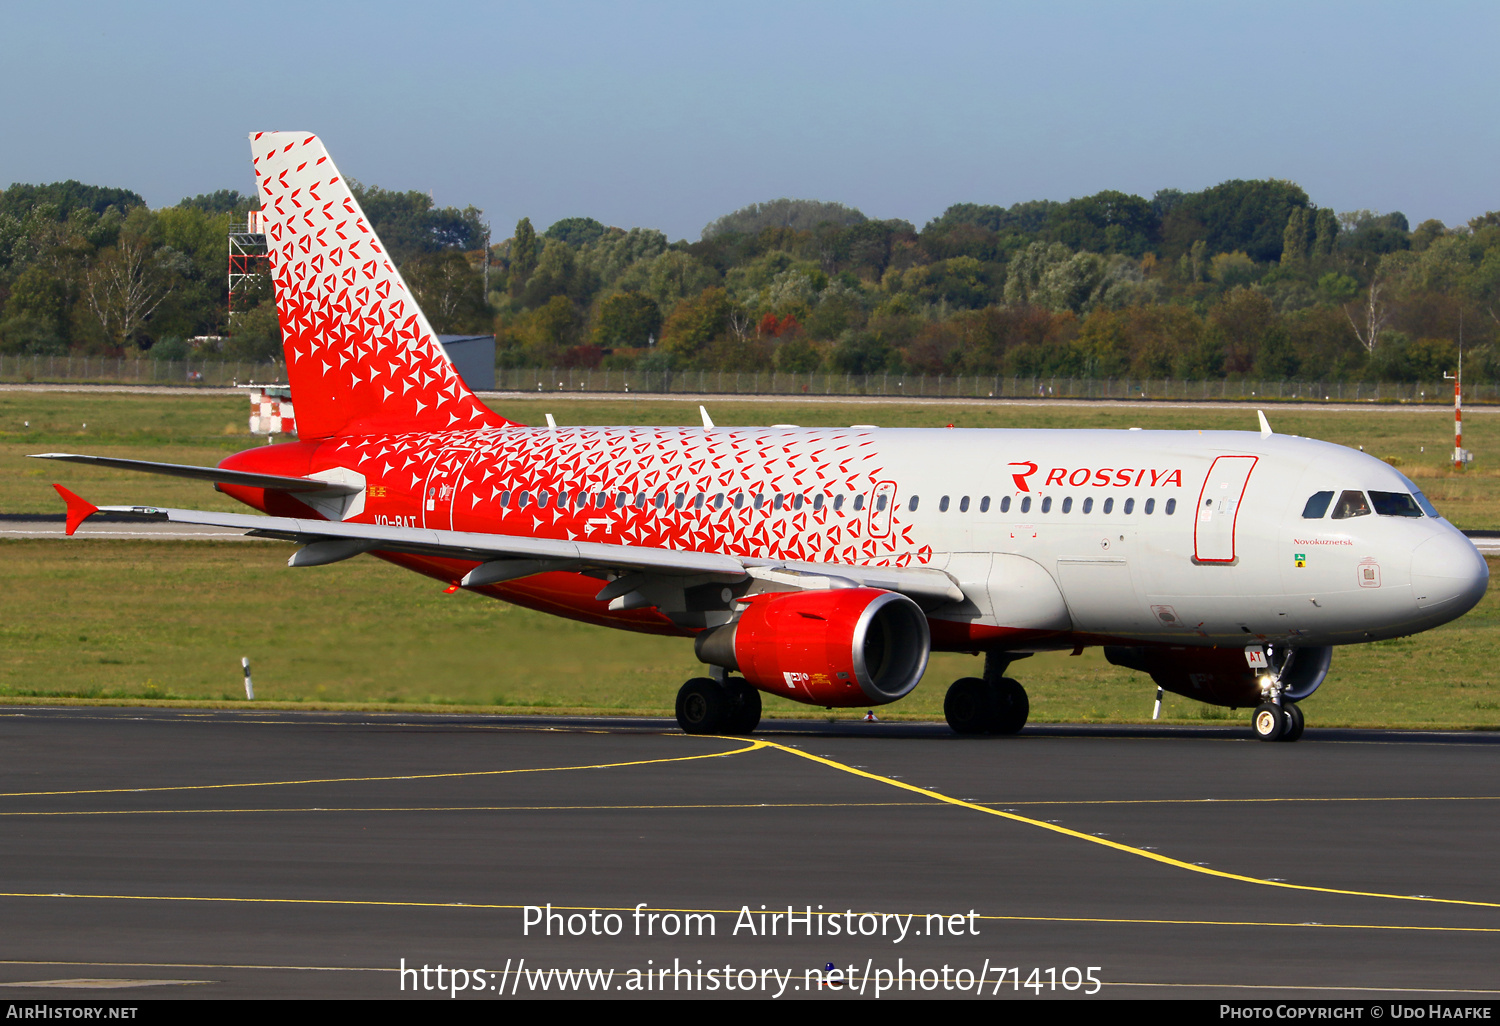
(253, 854)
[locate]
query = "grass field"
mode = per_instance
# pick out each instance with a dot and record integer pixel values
(150, 621)
(193, 429)
(98, 619)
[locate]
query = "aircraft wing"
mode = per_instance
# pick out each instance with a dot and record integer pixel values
(504, 557)
(218, 475)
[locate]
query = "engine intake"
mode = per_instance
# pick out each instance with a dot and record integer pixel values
(842, 647)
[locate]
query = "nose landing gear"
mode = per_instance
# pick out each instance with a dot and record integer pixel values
(1277, 718)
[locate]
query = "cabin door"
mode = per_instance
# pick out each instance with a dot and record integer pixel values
(1219, 508)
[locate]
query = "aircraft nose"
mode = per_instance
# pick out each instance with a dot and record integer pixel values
(1448, 575)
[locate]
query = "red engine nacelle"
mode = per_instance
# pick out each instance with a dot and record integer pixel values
(1221, 676)
(843, 647)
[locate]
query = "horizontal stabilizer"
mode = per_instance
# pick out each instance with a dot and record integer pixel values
(218, 475)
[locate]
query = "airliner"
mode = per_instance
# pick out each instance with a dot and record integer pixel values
(823, 565)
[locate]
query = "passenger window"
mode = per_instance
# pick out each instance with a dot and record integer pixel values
(542, 498)
(779, 501)
(504, 499)
(880, 504)
(943, 504)
(963, 504)
(1317, 505)
(620, 500)
(640, 500)
(1129, 506)
(562, 500)
(739, 500)
(1171, 507)
(1351, 504)
(600, 498)
(838, 503)
(719, 501)
(698, 501)
(797, 501)
(760, 499)
(1109, 506)
(1068, 504)
(1005, 504)
(661, 499)
(681, 500)
(1047, 504)
(1088, 505)
(1395, 504)
(818, 501)
(521, 502)
(984, 504)
(1150, 506)
(859, 502)
(1026, 504)
(913, 504)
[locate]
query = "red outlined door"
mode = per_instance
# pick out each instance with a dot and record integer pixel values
(1219, 508)
(441, 486)
(882, 501)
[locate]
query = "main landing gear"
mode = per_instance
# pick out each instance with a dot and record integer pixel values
(995, 704)
(1272, 722)
(708, 706)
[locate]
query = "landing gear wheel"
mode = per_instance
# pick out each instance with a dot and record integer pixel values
(746, 707)
(704, 706)
(1294, 722)
(1012, 707)
(974, 706)
(970, 706)
(1269, 721)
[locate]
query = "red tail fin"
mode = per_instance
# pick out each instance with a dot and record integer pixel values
(360, 356)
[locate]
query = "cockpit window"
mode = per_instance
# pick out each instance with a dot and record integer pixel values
(1422, 501)
(1317, 506)
(1351, 504)
(1395, 504)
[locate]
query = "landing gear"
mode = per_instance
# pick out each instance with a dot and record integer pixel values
(1270, 721)
(705, 706)
(974, 706)
(1294, 721)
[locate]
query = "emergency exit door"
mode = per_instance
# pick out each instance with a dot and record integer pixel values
(1219, 508)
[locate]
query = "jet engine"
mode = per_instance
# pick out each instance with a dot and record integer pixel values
(841, 647)
(1220, 676)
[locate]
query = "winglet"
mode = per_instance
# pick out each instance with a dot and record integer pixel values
(708, 425)
(1265, 425)
(79, 509)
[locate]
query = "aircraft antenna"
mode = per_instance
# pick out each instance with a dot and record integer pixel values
(1265, 425)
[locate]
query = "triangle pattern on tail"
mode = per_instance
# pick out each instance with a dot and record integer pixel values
(361, 357)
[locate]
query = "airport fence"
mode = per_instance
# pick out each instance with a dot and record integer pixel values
(970, 386)
(112, 370)
(212, 373)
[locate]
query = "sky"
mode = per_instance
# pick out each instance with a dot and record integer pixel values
(668, 115)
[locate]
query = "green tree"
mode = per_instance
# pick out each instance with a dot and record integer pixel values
(449, 291)
(523, 254)
(575, 231)
(627, 319)
(693, 324)
(409, 223)
(799, 215)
